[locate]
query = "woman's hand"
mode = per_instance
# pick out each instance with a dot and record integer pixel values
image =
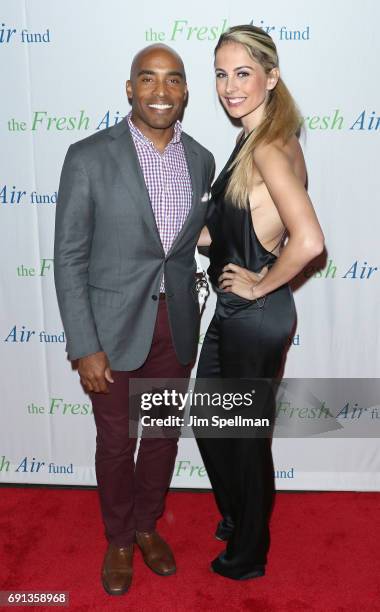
(240, 281)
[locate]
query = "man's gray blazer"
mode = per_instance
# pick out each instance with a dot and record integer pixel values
(108, 256)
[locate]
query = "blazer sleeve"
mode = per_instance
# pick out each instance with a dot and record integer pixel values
(74, 227)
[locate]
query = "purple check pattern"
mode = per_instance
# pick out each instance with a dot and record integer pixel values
(168, 182)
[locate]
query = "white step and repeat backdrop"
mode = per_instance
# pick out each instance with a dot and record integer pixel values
(63, 70)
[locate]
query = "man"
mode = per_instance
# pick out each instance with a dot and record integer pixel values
(131, 205)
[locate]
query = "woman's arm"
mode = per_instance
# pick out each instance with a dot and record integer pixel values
(306, 239)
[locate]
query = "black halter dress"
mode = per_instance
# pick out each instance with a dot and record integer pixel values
(246, 339)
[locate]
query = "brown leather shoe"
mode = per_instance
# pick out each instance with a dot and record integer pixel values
(117, 569)
(156, 553)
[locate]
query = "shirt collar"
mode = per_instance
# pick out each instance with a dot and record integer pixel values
(144, 140)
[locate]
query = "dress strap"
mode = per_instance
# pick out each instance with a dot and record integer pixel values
(279, 242)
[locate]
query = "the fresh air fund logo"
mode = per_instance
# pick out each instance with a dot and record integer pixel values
(10, 34)
(186, 30)
(335, 120)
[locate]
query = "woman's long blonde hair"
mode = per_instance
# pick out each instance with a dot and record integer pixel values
(281, 120)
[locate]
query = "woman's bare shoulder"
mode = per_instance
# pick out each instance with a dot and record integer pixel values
(291, 147)
(278, 151)
(296, 157)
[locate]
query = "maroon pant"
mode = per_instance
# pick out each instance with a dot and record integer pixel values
(132, 493)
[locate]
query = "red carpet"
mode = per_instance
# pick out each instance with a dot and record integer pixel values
(324, 554)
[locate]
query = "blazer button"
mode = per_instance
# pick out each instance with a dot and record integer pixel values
(154, 297)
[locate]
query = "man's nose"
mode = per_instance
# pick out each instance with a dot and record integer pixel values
(160, 88)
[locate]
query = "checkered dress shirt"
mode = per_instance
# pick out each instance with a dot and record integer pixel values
(168, 182)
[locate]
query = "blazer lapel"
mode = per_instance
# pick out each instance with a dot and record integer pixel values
(124, 153)
(195, 171)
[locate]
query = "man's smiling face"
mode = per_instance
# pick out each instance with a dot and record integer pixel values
(157, 88)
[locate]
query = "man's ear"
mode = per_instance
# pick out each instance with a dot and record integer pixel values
(129, 89)
(272, 78)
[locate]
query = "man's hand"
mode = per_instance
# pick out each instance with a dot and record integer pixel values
(240, 281)
(94, 372)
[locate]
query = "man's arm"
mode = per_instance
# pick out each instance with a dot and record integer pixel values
(74, 227)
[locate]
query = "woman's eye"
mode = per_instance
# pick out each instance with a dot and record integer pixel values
(219, 75)
(243, 74)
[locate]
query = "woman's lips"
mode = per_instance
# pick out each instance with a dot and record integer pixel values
(233, 102)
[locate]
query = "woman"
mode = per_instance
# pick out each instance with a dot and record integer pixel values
(258, 200)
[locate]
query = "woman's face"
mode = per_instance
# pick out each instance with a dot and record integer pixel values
(242, 84)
